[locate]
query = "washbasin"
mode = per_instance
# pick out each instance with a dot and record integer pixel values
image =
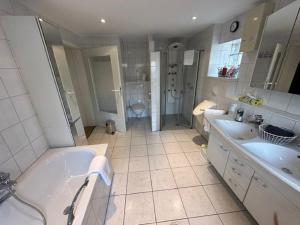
(237, 130)
(285, 159)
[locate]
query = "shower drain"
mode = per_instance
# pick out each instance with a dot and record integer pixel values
(286, 170)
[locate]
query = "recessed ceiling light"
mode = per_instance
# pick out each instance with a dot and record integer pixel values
(194, 18)
(103, 20)
(40, 19)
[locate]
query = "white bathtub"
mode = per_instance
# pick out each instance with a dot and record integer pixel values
(51, 183)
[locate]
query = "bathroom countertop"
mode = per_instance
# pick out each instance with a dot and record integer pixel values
(287, 185)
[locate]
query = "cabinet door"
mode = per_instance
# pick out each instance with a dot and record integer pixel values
(253, 26)
(217, 153)
(264, 202)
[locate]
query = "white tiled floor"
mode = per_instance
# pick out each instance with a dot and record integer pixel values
(162, 178)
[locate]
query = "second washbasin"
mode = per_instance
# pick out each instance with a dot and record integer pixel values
(237, 130)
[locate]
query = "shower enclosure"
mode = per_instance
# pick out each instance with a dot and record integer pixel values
(179, 75)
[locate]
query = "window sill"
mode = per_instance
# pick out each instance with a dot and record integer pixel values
(223, 78)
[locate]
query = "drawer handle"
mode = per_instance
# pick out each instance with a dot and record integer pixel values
(236, 171)
(238, 162)
(259, 181)
(224, 149)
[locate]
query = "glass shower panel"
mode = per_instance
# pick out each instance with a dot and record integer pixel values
(190, 74)
(101, 68)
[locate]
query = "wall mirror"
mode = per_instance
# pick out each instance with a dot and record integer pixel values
(277, 64)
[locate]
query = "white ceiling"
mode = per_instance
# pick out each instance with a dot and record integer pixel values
(138, 17)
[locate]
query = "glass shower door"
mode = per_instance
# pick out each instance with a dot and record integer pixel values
(190, 77)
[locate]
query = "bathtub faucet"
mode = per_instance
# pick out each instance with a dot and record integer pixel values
(5, 186)
(5, 181)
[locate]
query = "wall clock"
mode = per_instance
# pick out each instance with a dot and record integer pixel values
(234, 26)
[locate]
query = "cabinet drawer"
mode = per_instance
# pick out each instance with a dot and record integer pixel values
(238, 189)
(240, 164)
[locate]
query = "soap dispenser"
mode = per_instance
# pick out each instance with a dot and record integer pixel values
(239, 115)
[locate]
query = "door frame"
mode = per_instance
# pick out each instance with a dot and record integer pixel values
(102, 116)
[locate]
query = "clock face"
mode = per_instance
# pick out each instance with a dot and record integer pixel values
(234, 26)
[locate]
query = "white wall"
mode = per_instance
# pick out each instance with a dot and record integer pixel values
(21, 138)
(281, 109)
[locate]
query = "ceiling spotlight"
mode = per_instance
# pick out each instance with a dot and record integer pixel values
(40, 19)
(103, 20)
(194, 18)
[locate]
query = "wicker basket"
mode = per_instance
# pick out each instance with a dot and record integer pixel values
(275, 139)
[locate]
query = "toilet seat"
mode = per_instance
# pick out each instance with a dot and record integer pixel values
(138, 109)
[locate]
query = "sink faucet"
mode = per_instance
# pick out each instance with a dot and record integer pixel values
(256, 119)
(6, 185)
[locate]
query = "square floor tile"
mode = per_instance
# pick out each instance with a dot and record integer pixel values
(120, 165)
(138, 150)
(189, 146)
(156, 149)
(158, 162)
(196, 202)
(139, 209)
(168, 205)
(196, 158)
(120, 152)
(138, 164)
(162, 179)
(165, 138)
(185, 177)
(122, 142)
(222, 200)
(138, 132)
(115, 210)
(139, 182)
(119, 184)
(153, 139)
(175, 222)
(182, 137)
(206, 174)
(206, 220)
(178, 160)
(172, 147)
(237, 218)
(138, 140)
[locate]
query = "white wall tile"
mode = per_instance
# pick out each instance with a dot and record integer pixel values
(3, 93)
(32, 128)
(15, 138)
(294, 105)
(40, 145)
(4, 151)
(11, 167)
(284, 122)
(6, 58)
(279, 100)
(25, 157)
(8, 115)
(12, 81)
(23, 106)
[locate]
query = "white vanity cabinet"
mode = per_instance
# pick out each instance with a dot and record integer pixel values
(217, 152)
(264, 202)
(238, 175)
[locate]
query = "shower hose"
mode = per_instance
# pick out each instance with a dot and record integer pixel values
(12, 192)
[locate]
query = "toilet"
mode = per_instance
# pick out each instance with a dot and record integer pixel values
(138, 109)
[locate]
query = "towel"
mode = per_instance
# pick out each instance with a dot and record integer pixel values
(204, 105)
(101, 166)
(208, 112)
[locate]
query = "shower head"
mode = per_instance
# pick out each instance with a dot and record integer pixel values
(175, 45)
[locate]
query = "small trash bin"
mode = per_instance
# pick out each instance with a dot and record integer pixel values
(110, 127)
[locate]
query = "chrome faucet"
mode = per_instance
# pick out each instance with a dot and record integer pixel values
(256, 119)
(6, 185)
